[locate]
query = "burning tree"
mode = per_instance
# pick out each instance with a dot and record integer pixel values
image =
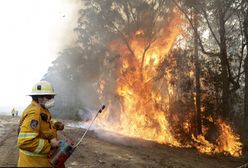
(151, 99)
(146, 74)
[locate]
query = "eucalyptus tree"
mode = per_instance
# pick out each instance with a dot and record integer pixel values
(103, 22)
(219, 42)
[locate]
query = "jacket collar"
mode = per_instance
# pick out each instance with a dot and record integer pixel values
(34, 103)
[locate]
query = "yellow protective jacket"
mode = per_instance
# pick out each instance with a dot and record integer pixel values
(35, 132)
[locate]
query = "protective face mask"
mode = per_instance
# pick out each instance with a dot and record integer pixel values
(50, 103)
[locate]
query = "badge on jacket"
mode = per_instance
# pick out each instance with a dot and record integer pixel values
(33, 124)
(44, 117)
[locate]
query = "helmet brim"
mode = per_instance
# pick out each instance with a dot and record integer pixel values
(41, 94)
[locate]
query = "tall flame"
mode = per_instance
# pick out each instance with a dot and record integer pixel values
(140, 117)
(143, 112)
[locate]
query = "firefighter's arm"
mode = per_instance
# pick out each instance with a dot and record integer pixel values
(28, 138)
(56, 126)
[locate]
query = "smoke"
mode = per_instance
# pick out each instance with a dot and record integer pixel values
(120, 139)
(88, 95)
(108, 136)
(69, 15)
(85, 114)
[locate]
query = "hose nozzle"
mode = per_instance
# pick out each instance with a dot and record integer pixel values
(101, 109)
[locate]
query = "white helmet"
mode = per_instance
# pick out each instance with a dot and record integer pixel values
(42, 88)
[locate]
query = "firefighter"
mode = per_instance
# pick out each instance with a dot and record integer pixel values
(37, 133)
(13, 112)
(16, 113)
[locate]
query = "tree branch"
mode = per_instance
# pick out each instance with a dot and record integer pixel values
(122, 36)
(195, 30)
(209, 26)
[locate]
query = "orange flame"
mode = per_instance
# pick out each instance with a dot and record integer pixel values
(227, 142)
(143, 111)
(140, 116)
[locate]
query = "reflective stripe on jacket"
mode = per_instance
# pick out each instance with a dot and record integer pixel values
(36, 130)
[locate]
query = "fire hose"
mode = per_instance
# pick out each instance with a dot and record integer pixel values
(58, 157)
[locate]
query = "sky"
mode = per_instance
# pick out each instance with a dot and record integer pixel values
(32, 32)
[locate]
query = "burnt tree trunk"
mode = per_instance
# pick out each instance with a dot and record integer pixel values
(246, 93)
(224, 65)
(245, 25)
(197, 80)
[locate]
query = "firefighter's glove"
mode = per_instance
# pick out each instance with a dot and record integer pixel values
(58, 125)
(54, 143)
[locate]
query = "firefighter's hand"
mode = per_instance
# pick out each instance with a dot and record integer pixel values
(54, 142)
(59, 125)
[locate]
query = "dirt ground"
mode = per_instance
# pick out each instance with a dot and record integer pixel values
(113, 151)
